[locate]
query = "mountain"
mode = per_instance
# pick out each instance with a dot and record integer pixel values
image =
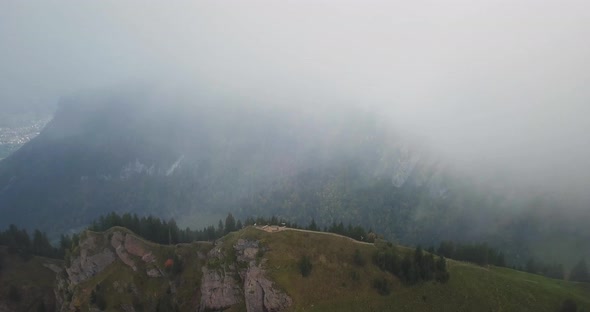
(123, 154)
(257, 270)
(197, 160)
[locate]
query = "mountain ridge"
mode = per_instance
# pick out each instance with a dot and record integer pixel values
(251, 268)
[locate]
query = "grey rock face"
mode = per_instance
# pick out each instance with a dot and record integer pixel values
(127, 245)
(87, 265)
(117, 241)
(153, 272)
(260, 295)
(220, 289)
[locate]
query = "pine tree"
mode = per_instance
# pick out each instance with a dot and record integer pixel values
(580, 272)
(312, 226)
(305, 266)
(230, 223)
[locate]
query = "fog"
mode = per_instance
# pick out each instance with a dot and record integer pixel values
(497, 88)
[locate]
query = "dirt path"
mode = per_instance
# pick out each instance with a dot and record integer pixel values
(270, 229)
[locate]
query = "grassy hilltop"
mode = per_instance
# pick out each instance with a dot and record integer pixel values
(331, 286)
(342, 278)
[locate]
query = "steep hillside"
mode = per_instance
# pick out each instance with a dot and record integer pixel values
(27, 282)
(258, 270)
(332, 285)
(117, 270)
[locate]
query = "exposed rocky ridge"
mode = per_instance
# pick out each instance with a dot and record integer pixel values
(220, 289)
(232, 275)
(259, 292)
(126, 245)
(92, 260)
(95, 253)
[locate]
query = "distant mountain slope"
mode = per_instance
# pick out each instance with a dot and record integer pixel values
(132, 153)
(118, 154)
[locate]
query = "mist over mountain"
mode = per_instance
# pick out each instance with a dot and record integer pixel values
(208, 155)
(422, 120)
(226, 151)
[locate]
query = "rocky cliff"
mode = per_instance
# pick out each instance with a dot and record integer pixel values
(118, 270)
(221, 290)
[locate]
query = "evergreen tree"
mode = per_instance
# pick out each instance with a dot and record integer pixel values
(14, 294)
(568, 305)
(358, 258)
(305, 266)
(580, 272)
(382, 285)
(312, 226)
(230, 223)
(531, 266)
(220, 228)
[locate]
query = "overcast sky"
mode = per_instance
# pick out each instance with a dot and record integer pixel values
(486, 83)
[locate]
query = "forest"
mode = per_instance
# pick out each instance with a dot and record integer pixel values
(421, 267)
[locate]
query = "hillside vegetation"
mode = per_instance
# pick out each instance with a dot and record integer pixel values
(340, 275)
(27, 282)
(337, 283)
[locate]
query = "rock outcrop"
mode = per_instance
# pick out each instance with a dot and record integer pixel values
(220, 289)
(126, 245)
(90, 262)
(260, 294)
(233, 275)
(95, 253)
(117, 241)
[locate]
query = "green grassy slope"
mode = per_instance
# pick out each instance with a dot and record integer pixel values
(336, 282)
(29, 279)
(331, 286)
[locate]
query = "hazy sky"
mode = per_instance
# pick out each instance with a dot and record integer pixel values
(487, 83)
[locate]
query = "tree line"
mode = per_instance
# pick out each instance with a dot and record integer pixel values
(164, 232)
(480, 254)
(409, 269)
(412, 268)
(18, 240)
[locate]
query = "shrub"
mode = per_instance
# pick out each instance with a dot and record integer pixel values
(14, 294)
(305, 266)
(97, 297)
(358, 258)
(568, 305)
(382, 285)
(355, 276)
(442, 277)
(41, 307)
